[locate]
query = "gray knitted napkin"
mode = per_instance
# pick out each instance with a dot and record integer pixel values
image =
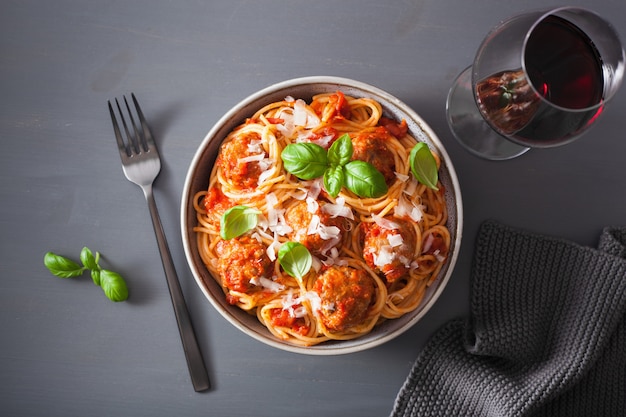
(546, 334)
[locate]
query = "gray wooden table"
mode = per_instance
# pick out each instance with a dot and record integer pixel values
(68, 351)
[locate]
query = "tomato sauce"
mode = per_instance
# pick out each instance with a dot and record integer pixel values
(437, 246)
(282, 318)
(399, 130)
(216, 200)
(326, 131)
(341, 106)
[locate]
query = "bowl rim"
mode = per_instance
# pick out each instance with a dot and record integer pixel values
(324, 348)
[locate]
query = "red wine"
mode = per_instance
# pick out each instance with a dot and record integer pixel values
(565, 71)
(563, 64)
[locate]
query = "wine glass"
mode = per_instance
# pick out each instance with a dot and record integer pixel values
(539, 79)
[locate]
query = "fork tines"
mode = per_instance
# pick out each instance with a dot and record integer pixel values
(137, 140)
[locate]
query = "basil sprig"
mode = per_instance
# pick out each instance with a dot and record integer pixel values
(334, 179)
(238, 220)
(305, 160)
(308, 161)
(112, 283)
(295, 259)
(424, 166)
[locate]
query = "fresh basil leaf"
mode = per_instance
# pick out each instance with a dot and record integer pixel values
(340, 151)
(95, 276)
(306, 161)
(424, 166)
(364, 180)
(238, 220)
(333, 180)
(88, 259)
(295, 259)
(61, 266)
(113, 285)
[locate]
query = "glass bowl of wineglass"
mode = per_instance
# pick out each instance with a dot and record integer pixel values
(539, 79)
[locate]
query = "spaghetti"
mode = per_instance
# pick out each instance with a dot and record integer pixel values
(373, 257)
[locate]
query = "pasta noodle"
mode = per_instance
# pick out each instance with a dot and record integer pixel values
(373, 257)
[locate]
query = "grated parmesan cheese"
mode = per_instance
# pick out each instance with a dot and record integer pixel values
(314, 300)
(316, 264)
(302, 117)
(338, 209)
(271, 200)
(262, 225)
(272, 248)
(251, 158)
(428, 243)
(312, 205)
(395, 240)
(265, 174)
(255, 146)
(289, 302)
(402, 177)
(330, 245)
(409, 209)
(384, 257)
(313, 225)
(315, 188)
(405, 261)
(324, 141)
(268, 284)
(411, 187)
(276, 218)
(295, 305)
(328, 232)
(299, 194)
(299, 113)
(385, 223)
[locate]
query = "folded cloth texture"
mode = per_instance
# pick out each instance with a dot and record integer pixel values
(546, 335)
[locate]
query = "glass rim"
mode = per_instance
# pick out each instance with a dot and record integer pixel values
(619, 69)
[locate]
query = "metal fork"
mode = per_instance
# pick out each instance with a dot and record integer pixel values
(141, 164)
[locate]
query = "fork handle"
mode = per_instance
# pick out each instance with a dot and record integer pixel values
(195, 362)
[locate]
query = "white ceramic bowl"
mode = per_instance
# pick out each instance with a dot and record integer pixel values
(305, 88)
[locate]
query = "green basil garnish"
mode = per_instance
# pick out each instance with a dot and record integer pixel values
(364, 180)
(305, 160)
(88, 259)
(340, 151)
(62, 267)
(295, 259)
(95, 276)
(308, 161)
(334, 179)
(112, 283)
(238, 220)
(424, 166)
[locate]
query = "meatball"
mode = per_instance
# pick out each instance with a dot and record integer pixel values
(241, 174)
(372, 147)
(317, 237)
(240, 260)
(346, 294)
(389, 250)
